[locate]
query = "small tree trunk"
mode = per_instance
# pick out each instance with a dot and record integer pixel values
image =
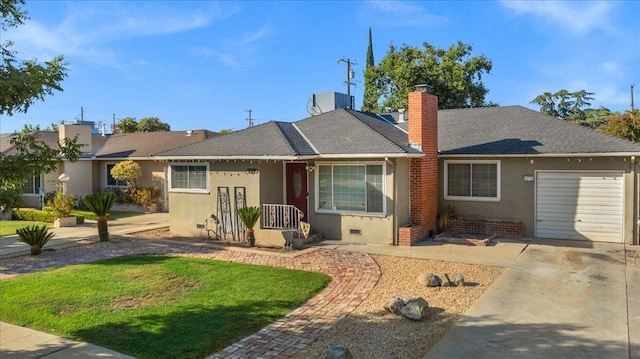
(103, 230)
(35, 250)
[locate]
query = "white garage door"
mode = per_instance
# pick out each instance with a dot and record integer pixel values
(580, 205)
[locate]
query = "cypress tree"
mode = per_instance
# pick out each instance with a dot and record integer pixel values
(370, 100)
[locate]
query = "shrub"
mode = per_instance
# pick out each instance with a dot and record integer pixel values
(35, 236)
(127, 171)
(26, 214)
(143, 196)
(147, 196)
(62, 205)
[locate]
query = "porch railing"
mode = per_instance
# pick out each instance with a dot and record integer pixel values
(281, 216)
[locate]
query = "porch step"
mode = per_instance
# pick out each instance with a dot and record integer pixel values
(299, 241)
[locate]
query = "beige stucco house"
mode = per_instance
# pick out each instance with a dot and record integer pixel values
(368, 178)
(91, 173)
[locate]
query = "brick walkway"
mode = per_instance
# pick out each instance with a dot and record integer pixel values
(354, 276)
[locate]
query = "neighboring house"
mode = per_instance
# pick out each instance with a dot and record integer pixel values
(91, 173)
(361, 177)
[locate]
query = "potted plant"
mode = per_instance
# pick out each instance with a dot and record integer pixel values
(35, 236)
(249, 216)
(62, 206)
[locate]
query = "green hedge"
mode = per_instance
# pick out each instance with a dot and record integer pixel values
(27, 214)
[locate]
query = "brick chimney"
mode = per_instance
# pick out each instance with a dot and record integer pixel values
(423, 133)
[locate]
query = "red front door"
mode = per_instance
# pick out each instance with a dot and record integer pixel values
(297, 191)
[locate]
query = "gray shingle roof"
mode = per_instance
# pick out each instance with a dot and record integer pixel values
(339, 132)
(512, 130)
(144, 144)
(269, 139)
(516, 130)
(50, 139)
(351, 132)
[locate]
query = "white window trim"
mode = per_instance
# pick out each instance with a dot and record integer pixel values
(470, 198)
(361, 213)
(106, 176)
(34, 194)
(186, 190)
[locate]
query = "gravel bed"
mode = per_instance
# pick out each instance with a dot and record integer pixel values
(370, 332)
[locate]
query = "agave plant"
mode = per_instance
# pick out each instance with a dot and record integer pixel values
(36, 236)
(249, 216)
(100, 204)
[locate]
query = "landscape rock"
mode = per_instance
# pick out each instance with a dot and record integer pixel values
(444, 280)
(457, 280)
(415, 309)
(394, 305)
(338, 353)
(418, 300)
(429, 280)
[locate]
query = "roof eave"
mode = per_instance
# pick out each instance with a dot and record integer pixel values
(593, 154)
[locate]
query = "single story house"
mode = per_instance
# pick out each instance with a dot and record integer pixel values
(91, 173)
(369, 178)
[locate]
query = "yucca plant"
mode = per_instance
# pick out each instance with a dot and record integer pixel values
(100, 204)
(249, 216)
(36, 236)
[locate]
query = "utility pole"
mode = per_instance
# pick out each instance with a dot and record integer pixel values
(250, 119)
(632, 86)
(350, 73)
(81, 114)
(113, 126)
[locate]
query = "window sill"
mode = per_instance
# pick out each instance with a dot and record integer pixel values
(195, 191)
(350, 213)
(472, 199)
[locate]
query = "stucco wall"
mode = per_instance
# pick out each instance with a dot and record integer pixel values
(190, 209)
(81, 177)
(517, 197)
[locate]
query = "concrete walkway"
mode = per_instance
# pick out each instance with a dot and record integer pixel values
(11, 245)
(18, 342)
(561, 299)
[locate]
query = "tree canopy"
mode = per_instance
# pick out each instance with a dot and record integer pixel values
(24, 82)
(147, 124)
(564, 105)
(626, 126)
(456, 76)
(31, 157)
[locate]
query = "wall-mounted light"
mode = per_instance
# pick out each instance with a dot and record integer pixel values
(310, 168)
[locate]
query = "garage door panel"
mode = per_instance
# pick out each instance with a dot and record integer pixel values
(580, 205)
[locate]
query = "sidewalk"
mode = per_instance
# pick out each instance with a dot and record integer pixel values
(18, 342)
(11, 246)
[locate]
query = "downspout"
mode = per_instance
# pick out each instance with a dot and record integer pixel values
(636, 201)
(395, 206)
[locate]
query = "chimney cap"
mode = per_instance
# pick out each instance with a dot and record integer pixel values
(424, 88)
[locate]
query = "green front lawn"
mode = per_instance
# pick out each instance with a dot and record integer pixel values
(156, 306)
(8, 228)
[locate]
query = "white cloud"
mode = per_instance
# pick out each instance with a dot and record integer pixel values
(577, 17)
(257, 35)
(399, 14)
(89, 30)
(225, 59)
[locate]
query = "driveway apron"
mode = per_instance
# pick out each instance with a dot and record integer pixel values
(561, 299)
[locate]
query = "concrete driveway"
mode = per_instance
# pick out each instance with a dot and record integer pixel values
(561, 299)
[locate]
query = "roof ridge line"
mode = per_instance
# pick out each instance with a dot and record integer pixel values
(315, 150)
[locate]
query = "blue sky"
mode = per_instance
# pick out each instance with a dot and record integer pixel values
(201, 64)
